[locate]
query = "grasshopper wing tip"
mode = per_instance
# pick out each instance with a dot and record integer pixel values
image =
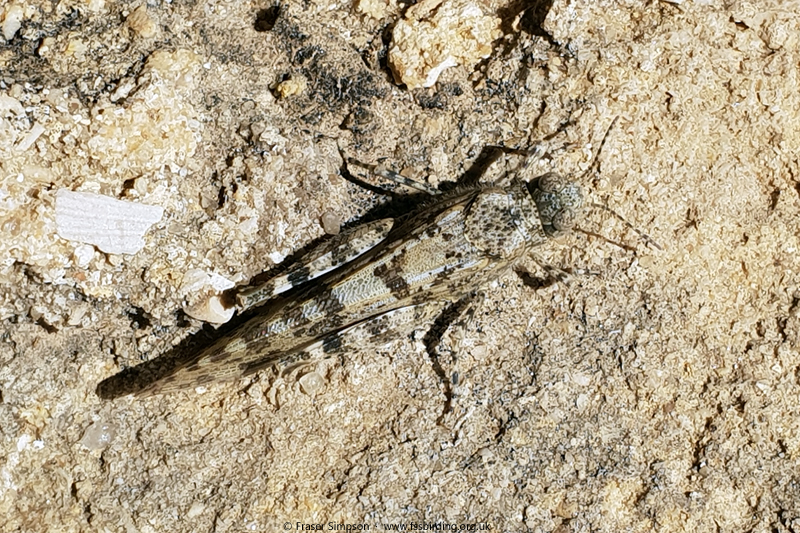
(144, 380)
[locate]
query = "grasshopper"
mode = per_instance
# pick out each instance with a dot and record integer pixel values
(385, 278)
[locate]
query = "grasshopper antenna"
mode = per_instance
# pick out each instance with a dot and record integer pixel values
(606, 239)
(642, 235)
(595, 168)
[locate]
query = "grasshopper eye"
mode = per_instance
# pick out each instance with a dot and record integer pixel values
(564, 220)
(558, 200)
(551, 182)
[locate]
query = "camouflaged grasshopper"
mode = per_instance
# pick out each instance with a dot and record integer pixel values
(385, 278)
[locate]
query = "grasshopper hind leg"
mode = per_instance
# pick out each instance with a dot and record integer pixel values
(368, 334)
(329, 255)
(461, 314)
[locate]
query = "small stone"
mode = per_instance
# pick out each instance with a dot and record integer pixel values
(311, 383)
(436, 35)
(204, 300)
(140, 22)
(99, 435)
(76, 314)
(582, 401)
(12, 21)
(46, 46)
(331, 223)
(276, 257)
(291, 87)
(195, 510)
(196, 280)
(30, 138)
(10, 106)
(376, 9)
(83, 255)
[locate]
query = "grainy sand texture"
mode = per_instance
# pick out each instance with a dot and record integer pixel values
(655, 390)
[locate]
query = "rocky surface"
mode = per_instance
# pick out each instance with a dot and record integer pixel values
(657, 390)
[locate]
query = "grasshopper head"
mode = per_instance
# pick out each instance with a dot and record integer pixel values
(558, 200)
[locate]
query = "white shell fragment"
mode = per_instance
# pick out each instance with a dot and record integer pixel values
(204, 302)
(210, 309)
(114, 226)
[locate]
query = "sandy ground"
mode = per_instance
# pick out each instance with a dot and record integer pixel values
(657, 390)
